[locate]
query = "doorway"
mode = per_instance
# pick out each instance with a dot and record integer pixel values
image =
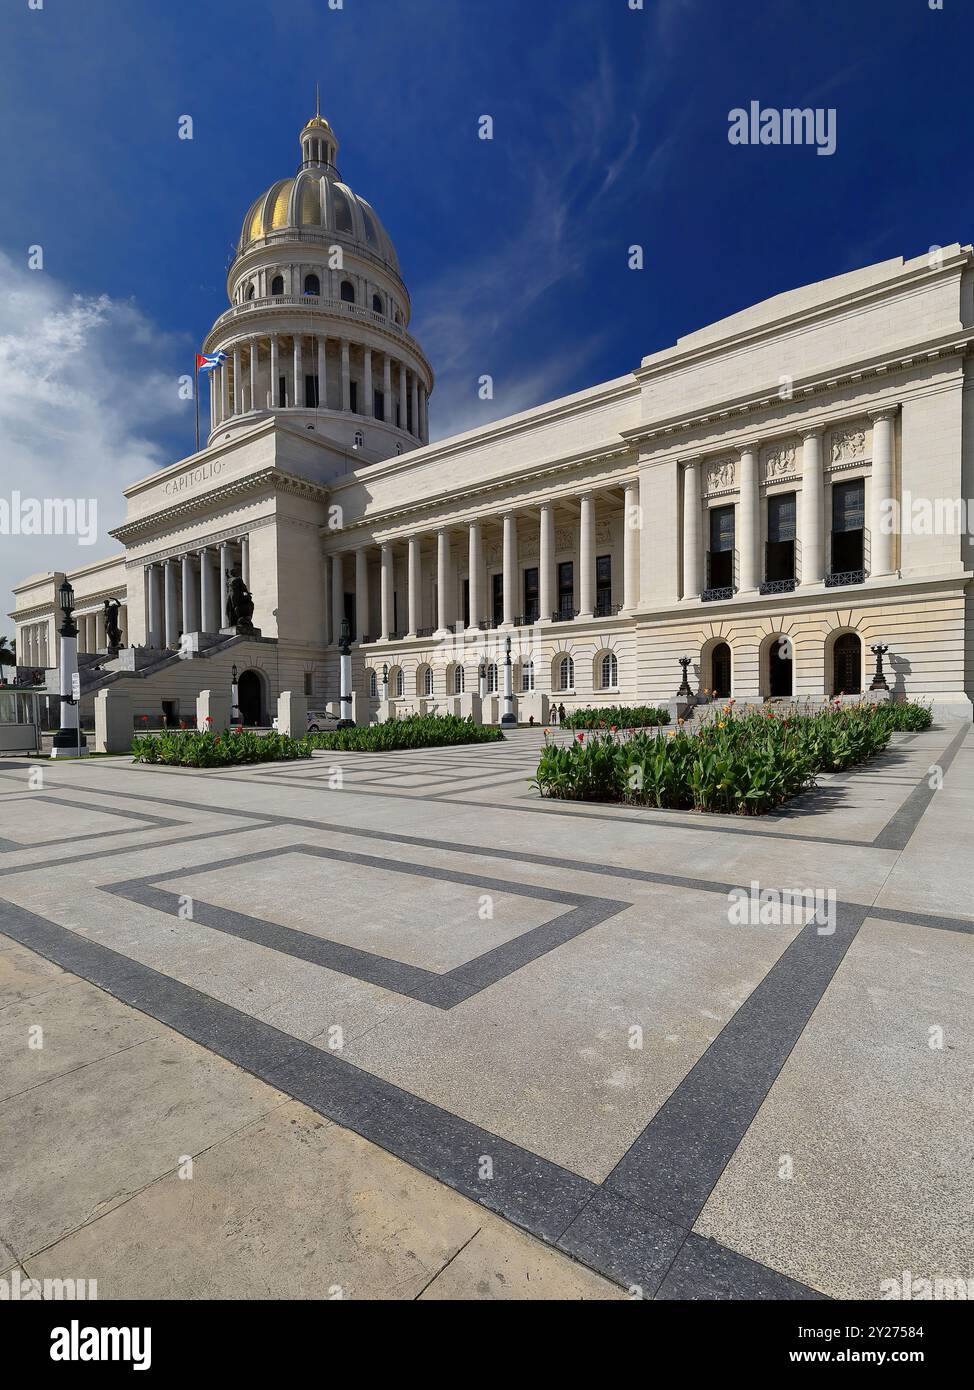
(847, 665)
(720, 661)
(780, 668)
(249, 698)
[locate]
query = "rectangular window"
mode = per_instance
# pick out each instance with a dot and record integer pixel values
(720, 557)
(351, 616)
(780, 558)
(466, 603)
(603, 584)
(353, 397)
(531, 595)
(311, 391)
(282, 392)
(378, 405)
(497, 584)
(309, 683)
(566, 588)
(848, 526)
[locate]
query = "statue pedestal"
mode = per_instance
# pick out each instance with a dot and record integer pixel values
(236, 632)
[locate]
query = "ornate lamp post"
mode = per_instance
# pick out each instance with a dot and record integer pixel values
(345, 663)
(385, 683)
(684, 692)
(508, 717)
(879, 680)
(69, 742)
(235, 717)
(482, 679)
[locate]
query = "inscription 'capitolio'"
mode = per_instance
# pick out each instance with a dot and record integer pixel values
(194, 477)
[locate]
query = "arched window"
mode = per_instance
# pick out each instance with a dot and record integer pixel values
(312, 285)
(348, 292)
(847, 665)
(492, 677)
(398, 682)
(609, 671)
(251, 292)
(566, 674)
(527, 676)
(359, 439)
(277, 284)
(377, 304)
(373, 683)
(398, 448)
(459, 680)
(427, 680)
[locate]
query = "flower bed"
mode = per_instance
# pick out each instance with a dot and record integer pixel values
(415, 731)
(744, 764)
(617, 717)
(189, 748)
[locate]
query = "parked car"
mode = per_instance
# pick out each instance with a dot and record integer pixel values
(317, 720)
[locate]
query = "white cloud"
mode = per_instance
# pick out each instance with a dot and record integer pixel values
(87, 381)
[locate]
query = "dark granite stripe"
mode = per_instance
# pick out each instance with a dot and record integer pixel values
(898, 830)
(706, 1270)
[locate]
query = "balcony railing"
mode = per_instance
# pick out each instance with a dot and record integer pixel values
(425, 631)
(525, 619)
(606, 609)
(487, 624)
(778, 586)
(843, 577)
(564, 615)
(724, 591)
(339, 307)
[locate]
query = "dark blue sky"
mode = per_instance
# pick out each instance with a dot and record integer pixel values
(610, 128)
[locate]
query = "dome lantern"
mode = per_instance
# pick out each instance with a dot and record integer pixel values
(319, 144)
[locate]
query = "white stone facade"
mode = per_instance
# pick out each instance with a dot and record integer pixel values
(732, 491)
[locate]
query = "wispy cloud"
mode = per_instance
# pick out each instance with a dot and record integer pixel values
(86, 383)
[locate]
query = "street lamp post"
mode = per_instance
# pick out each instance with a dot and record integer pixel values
(234, 696)
(508, 717)
(879, 680)
(69, 741)
(345, 667)
(684, 692)
(482, 679)
(385, 682)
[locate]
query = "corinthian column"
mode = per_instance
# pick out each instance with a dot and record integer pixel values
(881, 492)
(546, 563)
(586, 557)
(813, 508)
(692, 552)
(749, 527)
(510, 567)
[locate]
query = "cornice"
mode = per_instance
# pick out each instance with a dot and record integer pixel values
(270, 477)
(738, 409)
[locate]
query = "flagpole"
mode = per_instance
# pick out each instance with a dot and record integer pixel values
(196, 397)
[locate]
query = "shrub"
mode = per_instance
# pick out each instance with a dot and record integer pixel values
(737, 763)
(190, 748)
(617, 717)
(415, 731)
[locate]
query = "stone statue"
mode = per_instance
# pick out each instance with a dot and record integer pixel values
(240, 605)
(113, 632)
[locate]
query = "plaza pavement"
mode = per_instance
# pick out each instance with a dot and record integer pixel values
(426, 1035)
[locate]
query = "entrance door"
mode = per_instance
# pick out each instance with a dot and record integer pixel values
(720, 661)
(248, 697)
(847, 665)
(780, 669)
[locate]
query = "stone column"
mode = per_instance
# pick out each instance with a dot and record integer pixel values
(387, 388)
(101, 636)
(254, 374)
(812, 534)
(237, 383)
(415, 393)
(510, 567)
(630, 546)
(546, 563)
(368, 405)
(190, 623)
(424, 433)
(748, 521)
(403, 411)
(298, 372)
(586, 557)
(881, 490)
(362, 592)
(225, 563)
(245, 560)
(346, 377)
(172, 605)
(414, 576)
(224, 392)
(275, 375)
(692, 528)
(208, 591)
(442, 580)
(337, 595)
(387, 581)
(475, 564)
(155, 607)
(323, 372)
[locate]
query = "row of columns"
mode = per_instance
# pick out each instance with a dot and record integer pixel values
(248, 380)
(812, 519)
(34, 645)
(188, 593)
(92, 636)
(446, 579)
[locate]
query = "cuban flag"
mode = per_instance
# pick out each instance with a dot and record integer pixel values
(210, 361)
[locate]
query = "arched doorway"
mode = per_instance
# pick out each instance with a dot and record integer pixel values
(249, 698)
(720, 666)
(847, 665)
(780, 668)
